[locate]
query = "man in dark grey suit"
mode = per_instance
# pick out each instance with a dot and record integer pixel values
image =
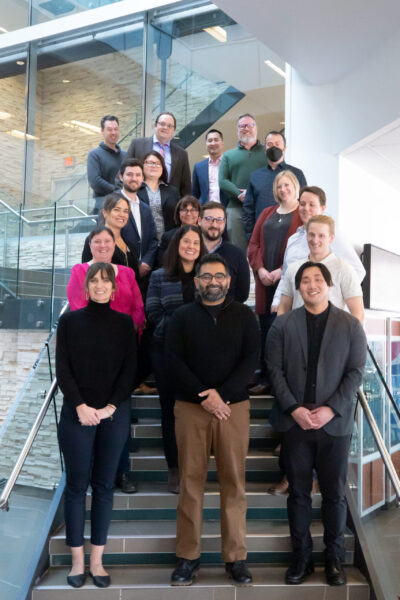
(315, 357)
(175, 157)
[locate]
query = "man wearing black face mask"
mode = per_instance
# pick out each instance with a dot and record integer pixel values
(259, 191)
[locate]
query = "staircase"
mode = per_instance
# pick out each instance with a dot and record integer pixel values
(140, 551)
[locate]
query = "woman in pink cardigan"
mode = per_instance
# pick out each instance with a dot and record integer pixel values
(266, 249)
(127, 299)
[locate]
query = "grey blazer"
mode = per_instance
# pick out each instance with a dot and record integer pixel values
(340, 367)
(180, 170)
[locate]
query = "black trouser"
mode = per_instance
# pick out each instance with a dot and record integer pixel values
(265, 322)
(303, 450)
(91, 455)
(166, 390)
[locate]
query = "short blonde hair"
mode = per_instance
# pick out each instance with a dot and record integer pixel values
(325, 220)
(292, 178)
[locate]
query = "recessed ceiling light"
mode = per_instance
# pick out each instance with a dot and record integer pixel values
(3, 30)
(118, 102)
(275, 68)
(20, 63)
(92, 128)
(4, 115)
(216, 32)
(281, 122)
(66, 81)
(21, 135)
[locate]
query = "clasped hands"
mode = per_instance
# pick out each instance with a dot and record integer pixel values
(92, 416)
(269, 277)
(214, 404)
(312, 419)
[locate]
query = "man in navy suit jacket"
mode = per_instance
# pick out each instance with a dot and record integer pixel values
(140, 233)
(205, 185)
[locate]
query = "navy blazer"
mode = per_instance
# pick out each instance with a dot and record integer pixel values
(146, 246)
(201, 185)
(169, 199)
(340, 367)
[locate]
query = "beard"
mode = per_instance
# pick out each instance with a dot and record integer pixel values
(247, 139)
(215, 234)
(213, 292)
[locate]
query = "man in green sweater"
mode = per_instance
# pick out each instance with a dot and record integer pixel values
(234, 174)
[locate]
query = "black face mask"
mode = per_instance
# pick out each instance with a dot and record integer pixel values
(274, 154)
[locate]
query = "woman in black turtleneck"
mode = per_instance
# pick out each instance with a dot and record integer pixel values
(96, 351)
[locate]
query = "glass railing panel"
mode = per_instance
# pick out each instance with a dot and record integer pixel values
(395, 359)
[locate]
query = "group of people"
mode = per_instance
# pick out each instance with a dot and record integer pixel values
(162, 288)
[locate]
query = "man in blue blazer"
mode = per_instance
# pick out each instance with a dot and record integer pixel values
(140, 232)
(205, 185)
(315, 356)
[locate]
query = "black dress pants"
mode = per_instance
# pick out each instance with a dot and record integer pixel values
(166, 391)
(303, 450)
(91, 455)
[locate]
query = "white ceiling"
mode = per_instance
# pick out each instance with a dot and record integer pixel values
(325, 39)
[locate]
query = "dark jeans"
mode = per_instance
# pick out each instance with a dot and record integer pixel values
(303, 450)
(91, 455)
(166, 390)
(265, 322)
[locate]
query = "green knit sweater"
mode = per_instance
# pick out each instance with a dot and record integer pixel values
(236, 167)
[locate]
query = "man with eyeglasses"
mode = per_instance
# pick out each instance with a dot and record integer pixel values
(259, 194)
(212, 222)
(213, 345)
(234, 174)
(175, 157)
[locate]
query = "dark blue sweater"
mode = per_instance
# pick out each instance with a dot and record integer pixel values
(103, 164)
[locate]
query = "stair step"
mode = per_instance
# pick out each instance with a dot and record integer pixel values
(265, 400)
(152, 583)
(151, 428)
(133, 540)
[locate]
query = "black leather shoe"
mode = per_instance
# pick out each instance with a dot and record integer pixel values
(76, 581)
(100, 581)
(238, 572)
(185, 572)
(125, 483)
(334, 572)
(298, 571)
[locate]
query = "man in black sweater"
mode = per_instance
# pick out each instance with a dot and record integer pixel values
(212, 222)
(213, 346)
(103, 162)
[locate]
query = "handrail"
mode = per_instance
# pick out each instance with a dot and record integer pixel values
(41, 221)
(383, 381)
(381, 445)
(4, 504)
(4, 498)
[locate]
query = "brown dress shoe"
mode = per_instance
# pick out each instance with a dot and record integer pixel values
(145, 390)
(280, 489)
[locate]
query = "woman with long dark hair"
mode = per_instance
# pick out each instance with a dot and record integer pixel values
(170, 288)
(95, 366)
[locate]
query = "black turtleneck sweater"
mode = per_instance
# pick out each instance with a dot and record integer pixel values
(95, 356)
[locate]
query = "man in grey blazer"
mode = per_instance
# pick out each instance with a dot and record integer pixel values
(315, 358)
(175, 157)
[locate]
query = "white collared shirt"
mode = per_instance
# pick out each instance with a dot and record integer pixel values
(213, 187)
(135, 210)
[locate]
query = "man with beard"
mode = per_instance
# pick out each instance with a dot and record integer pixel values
(259, 194)
(140, 233)
(212, 222)
(234, 173)
(213, 345)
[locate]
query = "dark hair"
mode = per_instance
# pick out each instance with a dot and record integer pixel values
(307, 265)
(110, 202)
(314, 189)
(166, 113)
(130, 162)
(184, 203)
(164, 174)
(210, 206)
(214, 257)
(214, 131)
(99, 229)
(274, 132)
(108, 118)
(171, 260)
(106, 268)
(243, 116)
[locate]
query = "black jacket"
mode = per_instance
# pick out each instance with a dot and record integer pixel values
(169, 199)
(219, 353)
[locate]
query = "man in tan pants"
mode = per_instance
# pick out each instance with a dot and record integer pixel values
(213, 346)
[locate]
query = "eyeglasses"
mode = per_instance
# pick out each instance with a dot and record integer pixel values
(214, 219)
(189, 211)
(246, 126)
(164, 124)
(148, 163)
(208, 277)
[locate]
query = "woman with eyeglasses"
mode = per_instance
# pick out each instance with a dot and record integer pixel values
(157, 193)
(95, 367)
(186, 213)
(170, 288)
